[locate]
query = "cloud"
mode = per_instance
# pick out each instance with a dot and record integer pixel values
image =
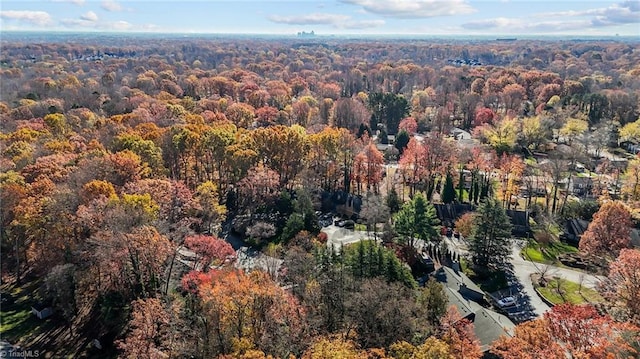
(362, 24)
(100, 25)
(512, 25)
(627, 12)
(76, 2)
(407, 9)
(89, 16)
(40, 18)
(111, 5)
(338, 21)
(310, 19)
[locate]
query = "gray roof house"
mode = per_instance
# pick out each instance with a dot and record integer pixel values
(463, 293)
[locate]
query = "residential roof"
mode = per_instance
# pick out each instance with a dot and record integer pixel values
(454, 280)
(488, 325)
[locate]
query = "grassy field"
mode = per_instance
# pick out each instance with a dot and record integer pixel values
(546, 253)
(570, 292)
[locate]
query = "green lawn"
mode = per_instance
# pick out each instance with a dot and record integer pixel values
(570, 292)
(546, 253)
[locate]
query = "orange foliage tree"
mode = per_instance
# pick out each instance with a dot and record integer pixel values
(609, 232)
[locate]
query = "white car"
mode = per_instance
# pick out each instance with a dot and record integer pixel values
(506, 302)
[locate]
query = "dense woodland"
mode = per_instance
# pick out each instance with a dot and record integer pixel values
(123, 155)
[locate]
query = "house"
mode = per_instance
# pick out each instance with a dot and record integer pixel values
(581, 186)
(450, 212)
(460, 134)
(41, 310)
(463, 294)
(519, 222)
(576, 227)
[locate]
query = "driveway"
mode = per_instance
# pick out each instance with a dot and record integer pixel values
(339, 237)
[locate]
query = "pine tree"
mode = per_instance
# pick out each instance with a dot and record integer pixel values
(490, 243)
(449, 192)
(417, 219)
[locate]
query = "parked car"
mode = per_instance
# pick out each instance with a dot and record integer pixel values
(506, 302)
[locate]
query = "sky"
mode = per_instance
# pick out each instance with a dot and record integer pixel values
(329, 17)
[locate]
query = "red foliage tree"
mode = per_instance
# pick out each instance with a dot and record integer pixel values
(209, 249)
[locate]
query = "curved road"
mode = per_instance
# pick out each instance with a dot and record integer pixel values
(522, 268)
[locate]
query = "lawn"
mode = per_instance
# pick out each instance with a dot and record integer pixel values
(570, 292)
(546, 253)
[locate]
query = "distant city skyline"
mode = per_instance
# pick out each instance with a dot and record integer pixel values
(338, 17)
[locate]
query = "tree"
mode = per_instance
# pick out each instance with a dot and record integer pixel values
(368, 167)
(490, 244)
(464, 224)
(61, 284)
(381, 313)
(609, 232)
(631, 186)
(573, 129)
(209, 250)
(393, 201)
(622, 286)
(630, 132)
(584, 333)
(249, 310)
(211, 211)
(148, 336)
(432, 300)
(417, 219)
(501, 135)
(374, 211)
(531, 340)
(388, 109)
(402, 140)
(458, 333)
(448, 192)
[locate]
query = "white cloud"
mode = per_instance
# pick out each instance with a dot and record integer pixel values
(362, 24)
(111, 5)
(336, 20)
(310, 19)
(520, 26)
(101, 25)
(407, 9)
(89, 16)
(76, 2)
(40, 18)
(627, 12)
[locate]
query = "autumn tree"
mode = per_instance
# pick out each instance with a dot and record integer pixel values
(249, 310)
(622, 285)
(464, 224)
(374, 210)
(490, 243)
(381, 313)
(609, 232)
(368, 167)
(208, 250)
(148, 337)
(631, 186)
(530, 340)
(458, 333)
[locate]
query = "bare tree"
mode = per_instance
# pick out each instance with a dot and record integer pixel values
(374, 210)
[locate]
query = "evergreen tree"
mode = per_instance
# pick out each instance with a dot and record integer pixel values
(448, 192)
(393, 201)
(490, 243)
(402, 140)
(417, 219)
